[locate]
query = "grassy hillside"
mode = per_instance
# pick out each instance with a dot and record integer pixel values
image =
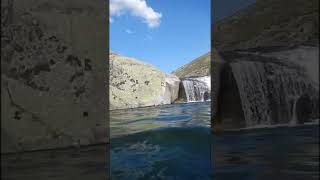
(200, 66)
(197, 67)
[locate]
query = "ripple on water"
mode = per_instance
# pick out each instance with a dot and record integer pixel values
(167, 142)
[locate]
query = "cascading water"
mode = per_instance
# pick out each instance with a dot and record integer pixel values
(275, 93)
(195, 89)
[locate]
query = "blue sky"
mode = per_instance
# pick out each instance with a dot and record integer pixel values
(169, 34)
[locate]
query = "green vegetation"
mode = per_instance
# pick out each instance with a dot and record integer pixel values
(197, 67)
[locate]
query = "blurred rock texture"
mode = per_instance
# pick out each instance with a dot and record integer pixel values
(269, 23)
(53, 80)
(271, 70)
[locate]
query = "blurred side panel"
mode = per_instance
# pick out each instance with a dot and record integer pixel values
(266, 120)
(54, 95)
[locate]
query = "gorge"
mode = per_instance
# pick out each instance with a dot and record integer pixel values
(136, 84)
(265, 98)
(257, 87)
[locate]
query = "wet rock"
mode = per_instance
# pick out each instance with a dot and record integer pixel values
(171, 88)
(269, 88)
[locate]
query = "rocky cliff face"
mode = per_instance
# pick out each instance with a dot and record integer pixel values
(136, 84)
(53, 91)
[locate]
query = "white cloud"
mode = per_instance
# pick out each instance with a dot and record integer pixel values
(129, 31)
(137, 8)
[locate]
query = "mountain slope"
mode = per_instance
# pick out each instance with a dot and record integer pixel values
(197, 67)
(269, 23)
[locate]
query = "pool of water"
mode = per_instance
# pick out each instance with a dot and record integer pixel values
(286, 153)
(175, 142)
(167, 142)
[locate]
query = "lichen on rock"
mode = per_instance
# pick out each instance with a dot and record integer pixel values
(137, 84)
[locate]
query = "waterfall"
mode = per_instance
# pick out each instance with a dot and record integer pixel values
(194, 89)
(275, 93)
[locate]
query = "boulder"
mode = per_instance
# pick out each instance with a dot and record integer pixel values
(136, 84)
(172, 88)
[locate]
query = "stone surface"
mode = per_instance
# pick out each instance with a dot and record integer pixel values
(53, 90)
(269, 23)
(172, 88)
(136, 84)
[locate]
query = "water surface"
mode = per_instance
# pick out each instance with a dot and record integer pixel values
(286, 153)
(166, 142)
(175, 142)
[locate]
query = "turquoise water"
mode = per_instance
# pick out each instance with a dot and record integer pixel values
(167, 142)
